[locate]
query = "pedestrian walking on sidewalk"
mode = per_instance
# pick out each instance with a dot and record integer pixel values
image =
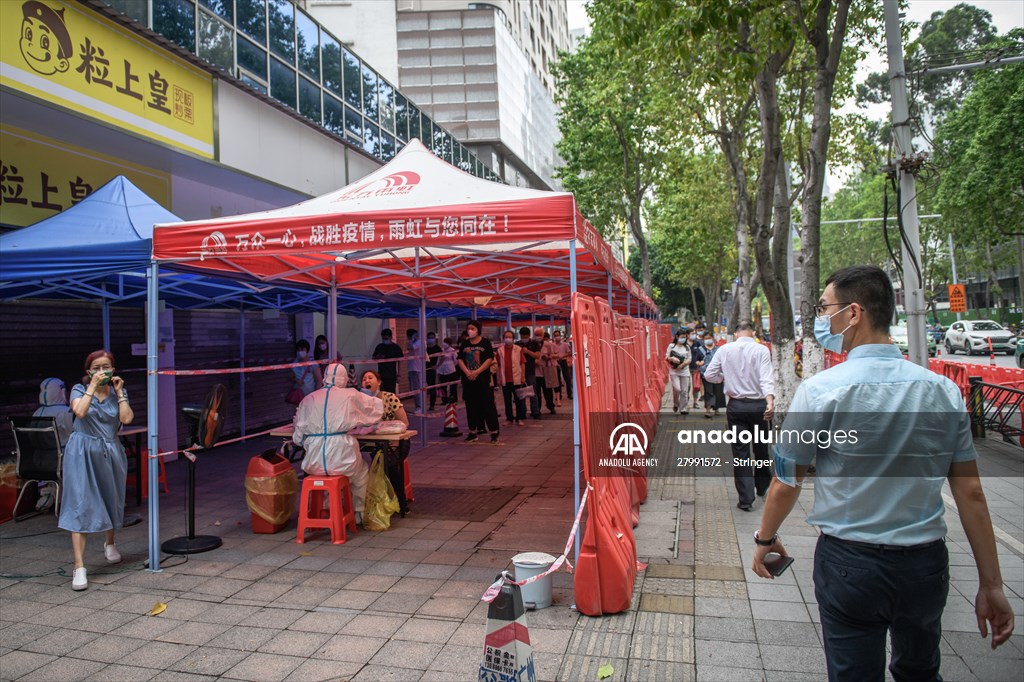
(697, 361)
(744, 367)
(677, 355)
(714, 397)
(881, 568)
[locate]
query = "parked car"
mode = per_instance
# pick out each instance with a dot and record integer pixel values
(1018, 353)
(972, 336)
(898, 337)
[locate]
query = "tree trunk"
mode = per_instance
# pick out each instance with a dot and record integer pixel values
(1020, 271)
(828, 47)
(641, 241)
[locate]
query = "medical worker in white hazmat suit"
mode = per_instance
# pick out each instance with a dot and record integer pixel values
(53, 402)
(322, 422)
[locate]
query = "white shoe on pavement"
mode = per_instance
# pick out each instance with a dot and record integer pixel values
(79, 582)
(110, 551)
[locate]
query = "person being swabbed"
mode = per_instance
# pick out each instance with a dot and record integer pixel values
(322, 424)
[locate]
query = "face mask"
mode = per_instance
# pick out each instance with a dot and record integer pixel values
(301, 355)
(823, 332)
(709, 343)
(369, 392)
(107, 374)
(508, 342)
(387, 342)
(681, 339)
(432, 341)
(473, 333)
(323, 346)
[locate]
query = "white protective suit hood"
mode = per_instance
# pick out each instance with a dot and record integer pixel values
(53, 402)
(52, 392)
(335, 374)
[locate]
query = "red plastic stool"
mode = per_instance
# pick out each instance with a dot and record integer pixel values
(339, 515)
(408, 481)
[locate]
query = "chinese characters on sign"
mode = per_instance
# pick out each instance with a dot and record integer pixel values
(957, 298)
(43, 194)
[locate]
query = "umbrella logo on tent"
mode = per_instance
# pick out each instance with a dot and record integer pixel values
(214, 244)
(390, 185)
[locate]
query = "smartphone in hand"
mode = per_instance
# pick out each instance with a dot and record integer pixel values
(777, 564)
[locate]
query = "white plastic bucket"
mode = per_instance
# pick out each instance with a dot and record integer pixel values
(529, 564)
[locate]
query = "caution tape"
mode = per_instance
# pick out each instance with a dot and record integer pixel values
(492, 592)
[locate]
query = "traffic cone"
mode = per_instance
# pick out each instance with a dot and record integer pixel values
(451, 422)
(991, 353)
(508, 655)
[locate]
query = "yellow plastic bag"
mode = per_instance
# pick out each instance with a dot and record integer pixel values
(381, 501)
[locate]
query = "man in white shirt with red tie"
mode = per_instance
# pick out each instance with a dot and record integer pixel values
(745, 368)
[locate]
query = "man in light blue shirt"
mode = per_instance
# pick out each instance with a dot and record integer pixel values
(884, 434)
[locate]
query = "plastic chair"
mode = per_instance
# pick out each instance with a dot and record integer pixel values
(39, 455)
(339, 515)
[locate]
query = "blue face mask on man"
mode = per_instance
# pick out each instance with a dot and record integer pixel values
(823, 332)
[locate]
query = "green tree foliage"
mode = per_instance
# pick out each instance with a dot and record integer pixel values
(610, 142)
(848, 244)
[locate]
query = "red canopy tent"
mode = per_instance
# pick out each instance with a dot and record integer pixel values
(417, 226)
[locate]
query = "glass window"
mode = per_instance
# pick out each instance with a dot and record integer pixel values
(414, 122)
(282, 83)
(252, 19)
(332, 65)
(215, 44)
(136, 9)
(354, 123)
(371, 139)
(252, 58)
(353, 81)
(386, 95)
(225, 9)
(387, 146)
(282, 29)
(309, 100)
(401, 117)
(369, 93)
(253, 83)
(334, 115)
(176, 21)
(437, 141)
(307, 39)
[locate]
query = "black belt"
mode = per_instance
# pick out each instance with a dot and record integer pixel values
(748, 400)
(886, 548)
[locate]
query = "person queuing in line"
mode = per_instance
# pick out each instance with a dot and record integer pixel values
(307, 378)
(881, 566)
(549, 368)
(476, 355)
(388, 351)
(543, 350)
(563, 353)
(321, 348)
(394, 459)
(433, 355)
(448, 371)
(696, 361)
(511, 377)
(714, 396)
(322, 422)
(531, 349)
(53, 402)
(677, 355)
(414, 351)
(745, 368)
(95, 466)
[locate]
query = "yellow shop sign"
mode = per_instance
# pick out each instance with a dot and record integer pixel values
(40, 177)
(64, 53)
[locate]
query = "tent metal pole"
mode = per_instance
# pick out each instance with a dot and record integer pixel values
(576, 443)
(152, 410)
(423, 356)
(332, 318)
(106, 320)
(508, 320)
(241, 375)
(629, 305)
(610, 290)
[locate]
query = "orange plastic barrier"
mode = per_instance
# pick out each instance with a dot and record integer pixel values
(606, 570)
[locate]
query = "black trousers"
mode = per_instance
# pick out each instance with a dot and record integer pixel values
(714, 395)
(394, 469)
(509, 391)
(566, 370)
(389, 384)
(432, 392)
(747, 415)
(452, 391)
(541, 387)
(481, 413)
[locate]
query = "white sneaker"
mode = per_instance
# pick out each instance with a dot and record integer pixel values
(110, 551)
(79, 582)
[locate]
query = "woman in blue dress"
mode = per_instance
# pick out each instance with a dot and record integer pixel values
(95, 466)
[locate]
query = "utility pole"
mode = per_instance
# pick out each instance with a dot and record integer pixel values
(905, 163)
